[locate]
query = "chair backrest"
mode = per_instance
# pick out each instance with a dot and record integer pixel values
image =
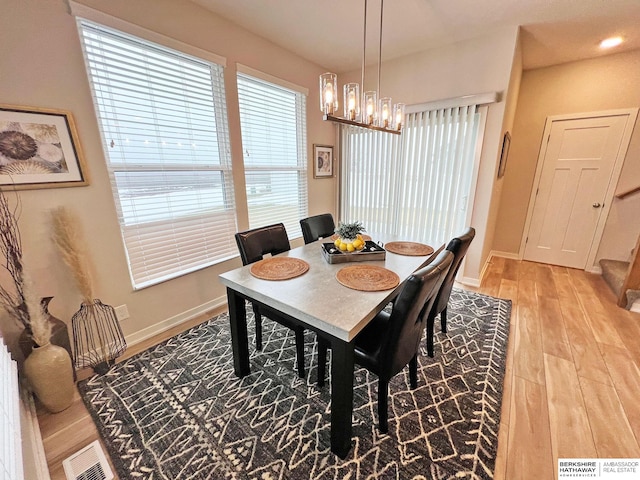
(254, 244)
(458, 246)
(406, 324)
(317, 226)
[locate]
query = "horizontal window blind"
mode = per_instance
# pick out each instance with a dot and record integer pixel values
(163, 121)
(274, 143)
(416, 186)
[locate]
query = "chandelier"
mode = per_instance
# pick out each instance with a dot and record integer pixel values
(369, 111)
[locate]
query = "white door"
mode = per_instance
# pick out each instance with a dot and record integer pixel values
(577, 167)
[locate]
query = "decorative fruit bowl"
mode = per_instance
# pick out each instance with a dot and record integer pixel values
(349, 237)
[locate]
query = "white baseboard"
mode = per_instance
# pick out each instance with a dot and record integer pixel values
(476, 282)
(472, 282)
(171, 322)
(509, 255)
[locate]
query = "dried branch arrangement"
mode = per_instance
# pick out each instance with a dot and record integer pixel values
(21, 302)
(68, 237)
(12, 300)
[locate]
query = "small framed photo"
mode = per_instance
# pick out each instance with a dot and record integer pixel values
(506, 143)
(322, 161)
(39, 148)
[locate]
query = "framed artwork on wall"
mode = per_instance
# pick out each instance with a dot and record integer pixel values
(322, 161)
(506, 143)
(39, 148)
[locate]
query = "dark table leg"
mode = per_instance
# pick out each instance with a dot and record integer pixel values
(341, 396)
(239, 340)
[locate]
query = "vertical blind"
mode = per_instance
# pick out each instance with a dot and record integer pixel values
(415, 186)
(164, 127)
(274, 145)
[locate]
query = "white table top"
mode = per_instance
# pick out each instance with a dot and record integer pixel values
(316, 297)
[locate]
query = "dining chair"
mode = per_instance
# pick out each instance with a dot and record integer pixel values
(458, 246)
(253, 245)
(392, 340)
(318, 226)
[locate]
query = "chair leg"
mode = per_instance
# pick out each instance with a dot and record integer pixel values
(383, 395)
(430, 321)
(258, 320)
(443, 320)
(413, 372)
(300, 351)
(322, 361)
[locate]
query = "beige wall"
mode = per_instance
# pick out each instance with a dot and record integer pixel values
(605, 83)
(42, 66)
(481, 65)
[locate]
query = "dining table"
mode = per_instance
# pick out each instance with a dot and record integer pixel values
(316, 300)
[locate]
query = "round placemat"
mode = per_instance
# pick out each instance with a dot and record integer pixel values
(413, 249)
(279, 268)
(367, 278)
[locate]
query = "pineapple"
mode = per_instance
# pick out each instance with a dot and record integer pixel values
(349, 238)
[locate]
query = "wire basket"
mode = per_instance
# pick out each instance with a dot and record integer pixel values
(97, 337)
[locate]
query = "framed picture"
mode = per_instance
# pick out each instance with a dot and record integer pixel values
(39, 148)
(322, 161)
(506, 142)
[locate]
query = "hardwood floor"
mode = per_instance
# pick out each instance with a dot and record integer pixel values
(571, 384)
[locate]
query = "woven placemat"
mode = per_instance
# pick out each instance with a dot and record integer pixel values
(279, 268)
(367, 278)
(413, 249)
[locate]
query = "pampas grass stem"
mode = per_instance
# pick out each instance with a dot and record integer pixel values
(68, 237)
(38, 320)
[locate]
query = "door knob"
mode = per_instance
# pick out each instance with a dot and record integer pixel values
(596, 205)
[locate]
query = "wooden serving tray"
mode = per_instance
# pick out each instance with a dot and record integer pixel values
(371, 251)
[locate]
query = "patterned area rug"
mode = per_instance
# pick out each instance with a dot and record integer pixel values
(177, 411)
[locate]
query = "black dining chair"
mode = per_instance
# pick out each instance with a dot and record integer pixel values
(318, 226)
(458, 246)
(253, 246)
(392, 340)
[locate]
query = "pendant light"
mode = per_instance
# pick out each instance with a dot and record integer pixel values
(369, 111)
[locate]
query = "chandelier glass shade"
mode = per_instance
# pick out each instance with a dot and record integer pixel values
(368, 110)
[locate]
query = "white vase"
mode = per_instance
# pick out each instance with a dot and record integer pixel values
(50, 375)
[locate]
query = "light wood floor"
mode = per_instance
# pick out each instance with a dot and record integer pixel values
(572, 376)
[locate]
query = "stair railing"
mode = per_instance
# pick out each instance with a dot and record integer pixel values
(628, 192)
(632, 279)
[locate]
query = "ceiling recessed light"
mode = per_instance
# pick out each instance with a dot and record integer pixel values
(611, 42)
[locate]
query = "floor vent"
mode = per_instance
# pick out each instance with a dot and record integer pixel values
(88, 464)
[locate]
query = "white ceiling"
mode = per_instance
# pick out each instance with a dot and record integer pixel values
(330, 32)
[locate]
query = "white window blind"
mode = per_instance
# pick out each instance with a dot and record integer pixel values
(416, 186)
(164, 126)
(274, 143)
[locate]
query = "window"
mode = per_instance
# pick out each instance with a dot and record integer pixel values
(416, 185)
(274, 144)
(163, 121)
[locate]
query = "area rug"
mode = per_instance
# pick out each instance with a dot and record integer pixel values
(177, 411)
